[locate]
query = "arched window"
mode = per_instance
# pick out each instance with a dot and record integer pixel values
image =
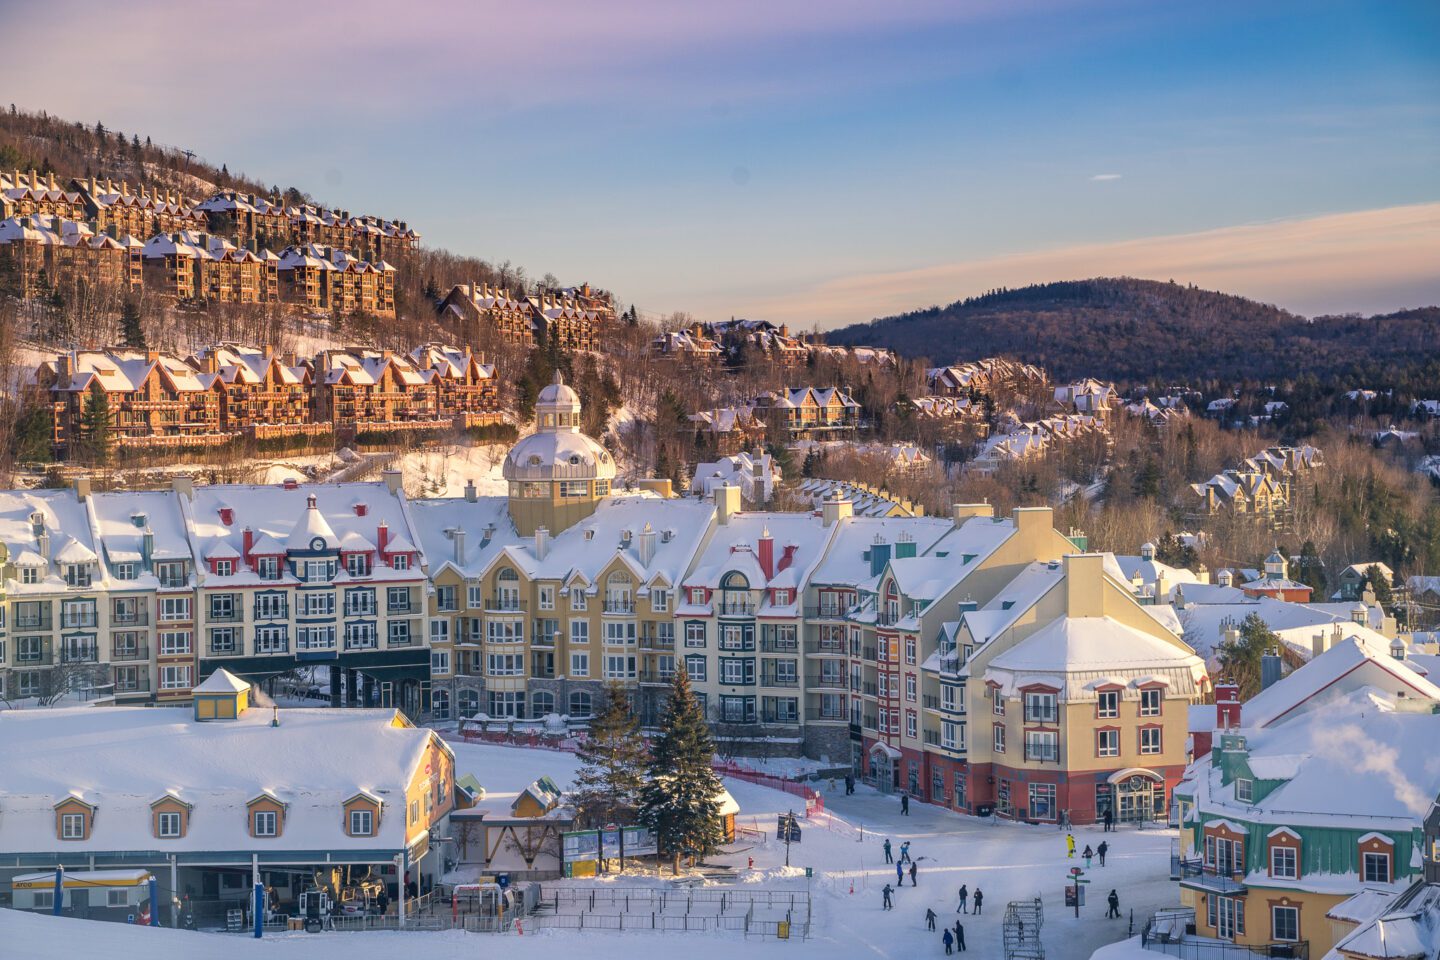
(440, 704)
(469, 703)
(542, 703)
(507, 574)
(734, 580)
(579, 705)
(619, 597)
(507, 590)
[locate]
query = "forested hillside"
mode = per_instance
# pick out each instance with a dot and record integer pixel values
(1143, 330)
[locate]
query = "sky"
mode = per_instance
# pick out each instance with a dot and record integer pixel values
(820, 163)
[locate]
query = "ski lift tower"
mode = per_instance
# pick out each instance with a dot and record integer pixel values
(1022, 930)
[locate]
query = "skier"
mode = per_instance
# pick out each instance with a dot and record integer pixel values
(1070, 846)
(886, 894)
(1103, 849)
(912, 874)
(1087, 855)
(900, 874)
(959, 937)
(929, 919)
(979, 900)
(1109, 820)
(889, 857)
(905, 852)
(1114, 901)
(905, 804)
(964, 900)
(949, 942)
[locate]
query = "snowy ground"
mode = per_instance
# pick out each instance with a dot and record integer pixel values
(1007, 861)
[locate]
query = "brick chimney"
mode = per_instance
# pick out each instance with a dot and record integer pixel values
(766, 553)
(247, 544)
(382, 537)
(1227, 705)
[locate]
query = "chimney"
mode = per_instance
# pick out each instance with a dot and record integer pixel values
(1317, 645)
(458, 537)
(542, 542)
(766, 552)
(786, 558)
(82, 489)
(290, 483)
(727, 503)
(147, 546)
(382, 537)
(647, 545)
(185, 486)
(836, 508)
(471, 495)
(1224, 578)
(227, 515)
(247, 544)
(1227, 704)
(43, 543)
(393, 480)
(1269, 668)
(361, 508)
(1084, 584)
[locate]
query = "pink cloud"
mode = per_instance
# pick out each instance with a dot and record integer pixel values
(1369, 260)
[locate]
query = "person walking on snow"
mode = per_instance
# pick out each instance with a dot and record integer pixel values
(1114, 901)
(912, 874)
(1070, 846)
(1103, 849)
(959, 937)
(929, 919)
(905, 804)
(886, 895)
(949, 942)
(1109, 821)
(900, 874)
(964, 900)
(889, 857)
(1087, 854)
(979, 900)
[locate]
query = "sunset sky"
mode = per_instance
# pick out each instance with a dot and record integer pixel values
(817, 162)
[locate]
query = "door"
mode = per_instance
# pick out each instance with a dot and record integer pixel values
(1230, 918)
(1137, 800)
(79, 902)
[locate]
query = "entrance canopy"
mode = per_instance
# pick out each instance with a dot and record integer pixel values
(1120, 776)
(885, 749)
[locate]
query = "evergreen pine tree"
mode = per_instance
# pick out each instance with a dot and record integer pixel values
(132, 334)
(612, 762)
(1380, 584)
(95, 427)
(680, 802)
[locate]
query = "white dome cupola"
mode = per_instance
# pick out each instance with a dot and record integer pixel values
(557, 474)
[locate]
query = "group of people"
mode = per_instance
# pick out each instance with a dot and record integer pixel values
(953, 939)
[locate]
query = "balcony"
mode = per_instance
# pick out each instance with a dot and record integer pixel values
(230, 648)
(129, 654)
(235, 615)
(826, 612)
(619, 606)
(832, 648)
(1171, 933)
(827, 682)
(504, 604)
(1042, 753)
(360, 610)
(775, 645)
(35, 655)
(79, 621)
(281, 612)
(932, 738)
(407, 640)
(820, 715)
(32, 621)
(130, 618)
(1197, 876)
(140, 683)
(776, 680)
(80, 653)
(930, 701)
(657, 677)
(735, 607)
(649, 642)
(401, 609)
(775, 718)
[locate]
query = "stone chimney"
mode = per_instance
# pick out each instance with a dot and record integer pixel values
(458, 537)
(647, 545)
(836, 508)
(393, 481)
(82, 489)
(961, 512)
(1084, 585)
(542, 543)
(471, 495)
(185, 486)
(727, 503)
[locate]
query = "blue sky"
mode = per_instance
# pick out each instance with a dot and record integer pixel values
(819, 163)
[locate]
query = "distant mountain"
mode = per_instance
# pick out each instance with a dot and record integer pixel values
(1136, 330)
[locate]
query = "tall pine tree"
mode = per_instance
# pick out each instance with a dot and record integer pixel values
(680, 803)
(95, 438)
(612, 762)
(132, 334)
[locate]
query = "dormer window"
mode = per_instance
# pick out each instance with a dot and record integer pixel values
(126, 571)
(268, 568)
(77, 574)
(357, 565)
(74, 819)
(224, 568)
(400, 561)
(1244, 790)
(30, 574)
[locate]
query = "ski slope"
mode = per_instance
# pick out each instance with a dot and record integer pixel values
(1007, 861)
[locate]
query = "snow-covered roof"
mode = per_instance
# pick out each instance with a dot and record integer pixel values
(1079, 645)
(124, 758)
(222, 681)
(846, 562)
